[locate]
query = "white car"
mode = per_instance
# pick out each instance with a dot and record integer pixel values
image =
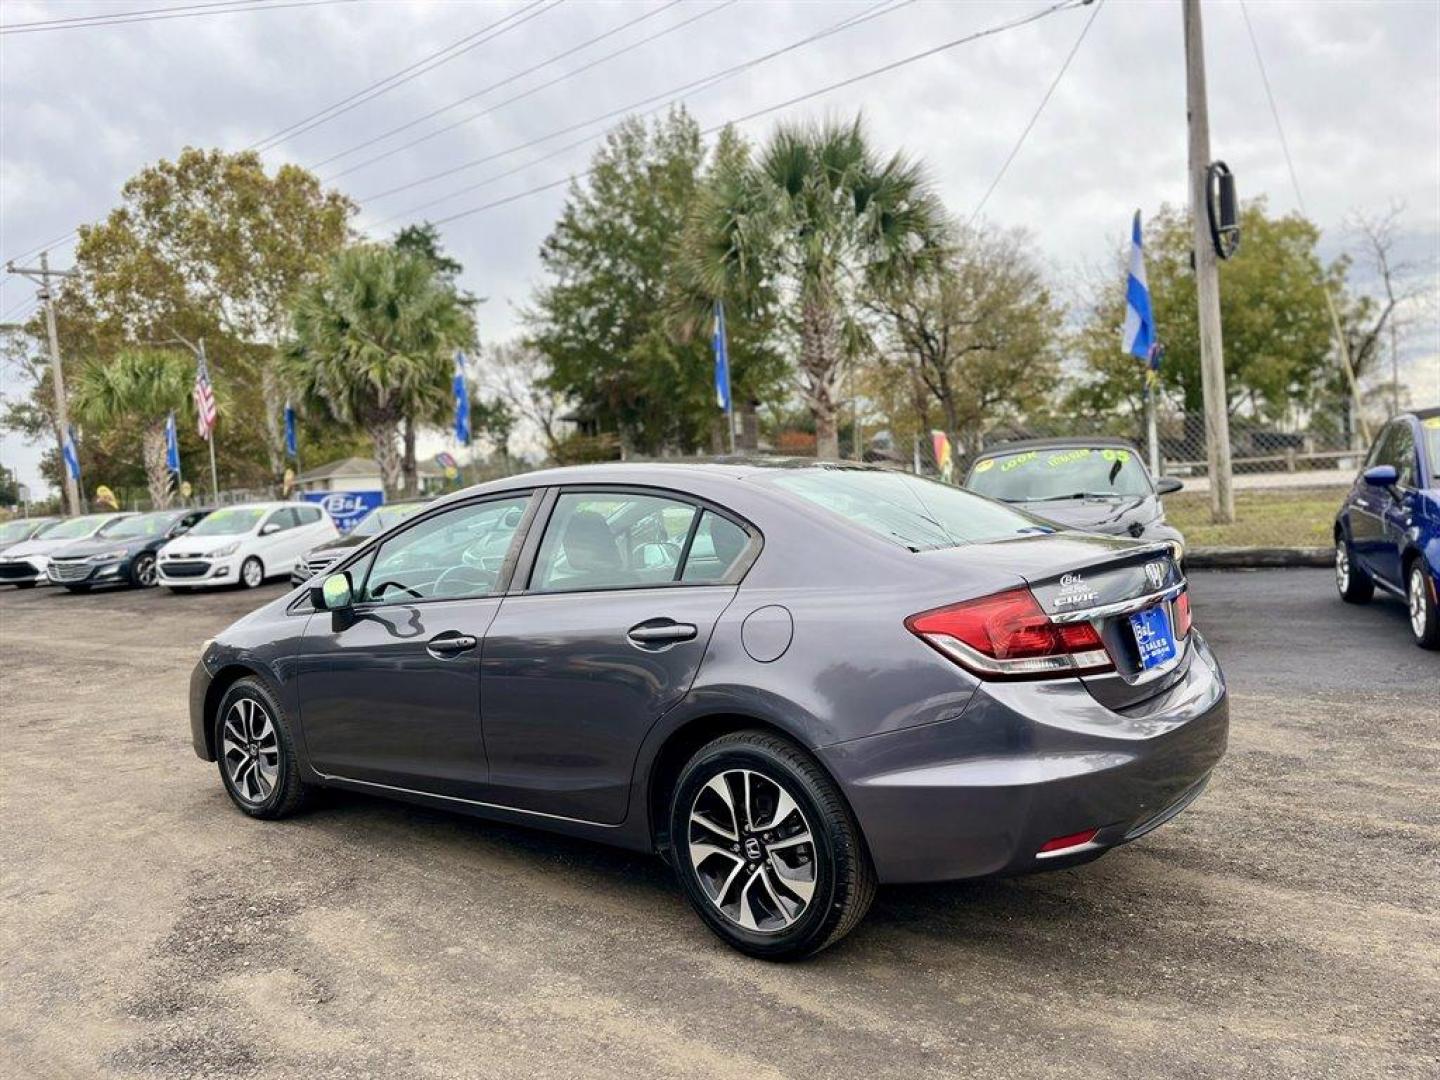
(243, 545)
(24, 564)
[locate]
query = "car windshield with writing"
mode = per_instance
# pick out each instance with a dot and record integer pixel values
(909, 510)
(1061, 473)
(231, 521)
(131, 528)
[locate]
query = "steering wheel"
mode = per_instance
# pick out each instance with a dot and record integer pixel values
(465, 575)
(379, 590)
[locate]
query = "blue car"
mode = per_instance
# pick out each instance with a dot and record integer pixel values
(1387, 533)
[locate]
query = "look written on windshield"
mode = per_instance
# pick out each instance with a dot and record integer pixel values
(1061, 473)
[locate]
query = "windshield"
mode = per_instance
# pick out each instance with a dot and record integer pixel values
(18, 529)
(917, 513)
(75, 528)
(1431, 427)
(384, 517)
(140, 525)
(1061, 473)
(231, 521)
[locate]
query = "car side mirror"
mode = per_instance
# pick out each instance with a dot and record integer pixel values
(1168, 485)
(334, 593)
(269, 527)
(1381, 475)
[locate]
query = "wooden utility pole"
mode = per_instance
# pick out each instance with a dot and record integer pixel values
(1207, 274)
(42, 276)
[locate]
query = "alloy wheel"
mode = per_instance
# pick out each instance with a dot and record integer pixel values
(145, 575)
(1342, 567)
(251, 750)
(1417, 601)
(252, 574)
(752, 851)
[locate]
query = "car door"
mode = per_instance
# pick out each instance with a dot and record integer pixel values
(605, 635)
(1367, 508)
(390, 691)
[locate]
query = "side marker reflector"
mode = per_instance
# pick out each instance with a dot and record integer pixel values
(1061, 845)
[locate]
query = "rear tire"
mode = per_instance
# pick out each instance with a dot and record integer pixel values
(255, 752)
(1420, 600)
(781, 871)
(1354, 585)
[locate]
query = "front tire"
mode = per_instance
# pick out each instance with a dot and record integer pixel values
(765, 848)
(1354, 585)
(1420, 599)
(255, 751)
(142, 571)
(252, 573)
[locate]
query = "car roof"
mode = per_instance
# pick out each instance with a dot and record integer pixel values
(1426, 414)
(1103, 441)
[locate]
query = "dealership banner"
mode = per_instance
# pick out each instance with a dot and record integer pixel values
(346, 507)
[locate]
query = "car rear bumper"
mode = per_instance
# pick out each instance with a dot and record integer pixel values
(1025, 763)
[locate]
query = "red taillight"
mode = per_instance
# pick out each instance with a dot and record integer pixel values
(1182, 615)
(1064, 843)
(1009, 635)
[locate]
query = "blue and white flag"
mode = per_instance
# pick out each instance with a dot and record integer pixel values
(292, 444)
(462, 401)
(722, 360)
(1138, 335)
(172, 446)
(67, 451)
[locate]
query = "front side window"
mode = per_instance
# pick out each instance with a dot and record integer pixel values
(229, 521)
(456, 555)
(1430, 428)
(612, 540)
(1404, 455)
(908, 510)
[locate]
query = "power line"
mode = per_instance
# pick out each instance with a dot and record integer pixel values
(893, 65)
(1274, 111)
(59, 240)
(515, 97)
(709, 80)
(1014, 150)
(406, 74)
(222, 7)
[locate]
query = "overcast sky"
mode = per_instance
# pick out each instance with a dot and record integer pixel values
(1357, 85)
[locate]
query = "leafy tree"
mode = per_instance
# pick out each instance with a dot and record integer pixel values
(606, 324)
(209, 245)
(978, 339)
(1278, 343)
(373, 343)
(138, 389)
(827, 224)
(424, 240)
(9, 487)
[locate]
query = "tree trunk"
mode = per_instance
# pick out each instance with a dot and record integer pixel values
(408, 469)
(820, 367)
(157, 475)
(272, 396)
(387, 455)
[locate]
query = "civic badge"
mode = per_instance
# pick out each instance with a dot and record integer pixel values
(1155, 571)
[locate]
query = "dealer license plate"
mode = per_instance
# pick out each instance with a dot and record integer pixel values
(1153, 636)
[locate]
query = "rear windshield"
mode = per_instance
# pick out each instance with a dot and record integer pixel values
(231, 521)
(140, 525)
(909, 510)
(1062, 472)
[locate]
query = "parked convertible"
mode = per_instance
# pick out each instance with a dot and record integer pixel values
(793, 682)
(1093, 484)
(243, 545)
(1387, 533)
(121, 553)
(24, 565)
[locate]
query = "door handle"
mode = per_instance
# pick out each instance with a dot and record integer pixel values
(661, 632)
(450, 644)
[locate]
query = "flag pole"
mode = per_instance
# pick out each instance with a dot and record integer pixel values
(210, 438)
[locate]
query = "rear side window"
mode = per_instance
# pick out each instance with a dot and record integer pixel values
(907, 510)
(612, 540)
(718, 545)
(308, 515)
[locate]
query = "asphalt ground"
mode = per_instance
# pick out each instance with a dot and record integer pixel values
(1287, 925)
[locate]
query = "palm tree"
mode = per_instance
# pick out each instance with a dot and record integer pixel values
(373, 343)
(139, 387)
(820, 217)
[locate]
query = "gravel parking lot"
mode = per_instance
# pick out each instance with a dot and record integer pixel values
(1287, 925)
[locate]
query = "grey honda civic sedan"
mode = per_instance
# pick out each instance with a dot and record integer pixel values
(793, 681)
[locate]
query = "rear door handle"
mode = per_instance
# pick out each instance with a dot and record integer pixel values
(450, 644)
(661, 632)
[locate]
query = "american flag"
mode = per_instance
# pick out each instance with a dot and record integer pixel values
(204, 394)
